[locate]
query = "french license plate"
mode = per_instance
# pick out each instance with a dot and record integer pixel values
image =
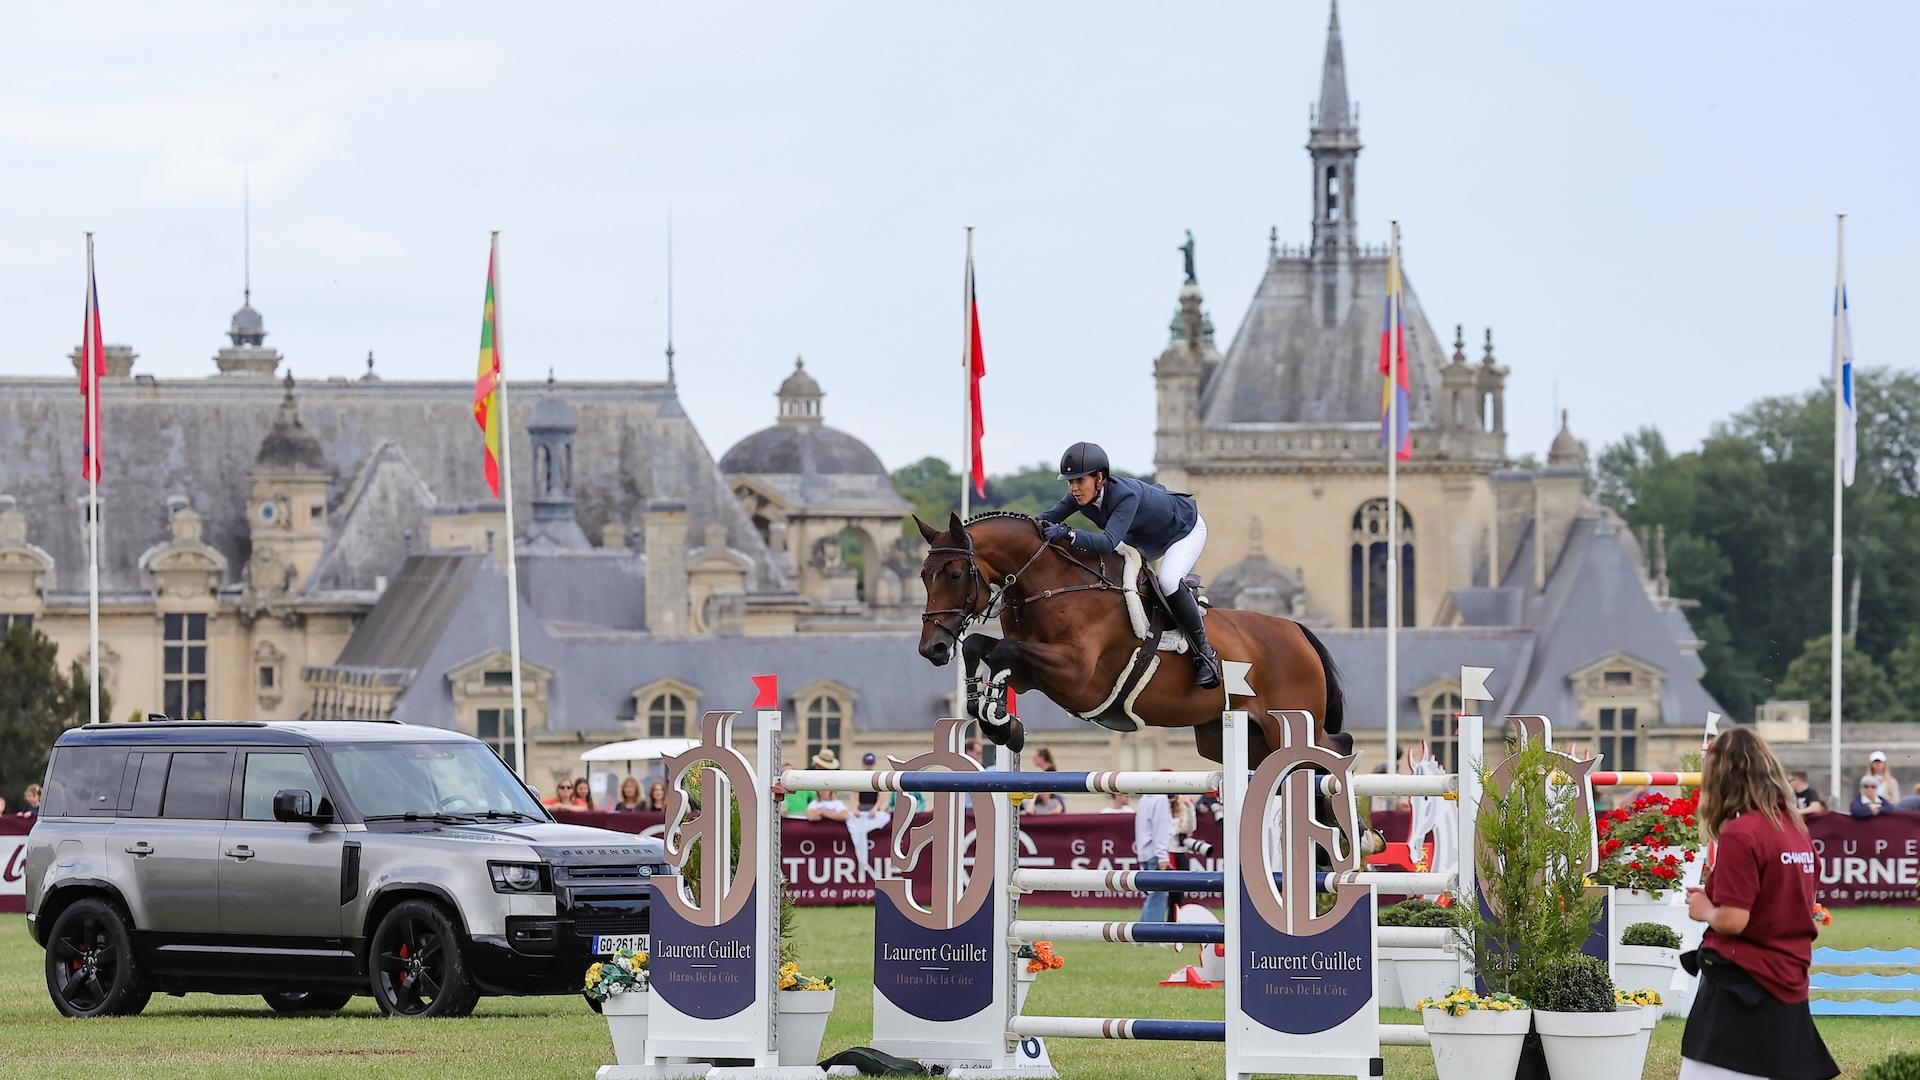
(608, 944)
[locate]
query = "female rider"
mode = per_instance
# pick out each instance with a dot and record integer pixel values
(1161, 524)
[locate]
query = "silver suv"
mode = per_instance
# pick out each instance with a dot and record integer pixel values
(309, 862)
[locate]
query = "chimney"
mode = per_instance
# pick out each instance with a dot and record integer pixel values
(666, 542)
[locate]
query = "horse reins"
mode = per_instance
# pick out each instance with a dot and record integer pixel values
(975, 579)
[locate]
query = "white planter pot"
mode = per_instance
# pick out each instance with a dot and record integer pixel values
(627, 1021)
(1426, 974)
(1593, 1046)
(1476, 1045)
(803, 1024)
(1644, 967)
(1388, 966)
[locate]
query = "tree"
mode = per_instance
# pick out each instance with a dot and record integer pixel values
(1866, 694)
(933, 489)
(1746, 525)
(1904, 669)
(36, 704)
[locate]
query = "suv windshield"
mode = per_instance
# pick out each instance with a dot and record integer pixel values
(431, 778)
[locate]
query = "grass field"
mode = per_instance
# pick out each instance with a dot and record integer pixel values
(207, 1036)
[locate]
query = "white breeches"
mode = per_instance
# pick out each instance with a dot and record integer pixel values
(1179, 560)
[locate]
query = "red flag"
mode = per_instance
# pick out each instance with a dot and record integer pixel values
(977, 369)
(766, 691)
(93, 368)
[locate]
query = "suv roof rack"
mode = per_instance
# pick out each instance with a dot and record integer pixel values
(163, 721)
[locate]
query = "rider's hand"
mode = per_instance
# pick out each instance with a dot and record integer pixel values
(1055, 532)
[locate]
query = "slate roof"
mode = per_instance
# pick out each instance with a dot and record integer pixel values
(1289, 364)
(445, 609)
(199, 437)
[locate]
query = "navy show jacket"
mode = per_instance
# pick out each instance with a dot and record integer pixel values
(1145, 515)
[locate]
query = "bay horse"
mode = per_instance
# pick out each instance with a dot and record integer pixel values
(1067, 633)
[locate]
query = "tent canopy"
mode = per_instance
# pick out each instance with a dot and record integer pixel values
(639, 750)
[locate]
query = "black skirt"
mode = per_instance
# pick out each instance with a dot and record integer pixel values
(1736, 1024)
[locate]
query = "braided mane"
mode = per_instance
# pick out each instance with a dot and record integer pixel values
(988, 515)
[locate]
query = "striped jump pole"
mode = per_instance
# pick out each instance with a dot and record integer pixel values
(996, 782)
(1645, 779)
(1213, 881)
(1094, 783)
(1028, 931)
(1095, 1027)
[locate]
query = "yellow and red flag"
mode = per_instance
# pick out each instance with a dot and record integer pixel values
(486, 388)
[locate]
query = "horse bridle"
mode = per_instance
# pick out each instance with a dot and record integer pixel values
(975, 580)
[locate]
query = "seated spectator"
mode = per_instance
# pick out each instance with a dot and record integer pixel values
(1043, 760)
(582, 795)
(1910, 803)
(1122, 804)
(792, 803)
(656, 797)
(1881, 774)
(32, 809)
(629, 801)
(1803, 793)
(1869, 803)
(562, 795)
(868, 801)
(972, 749)
(1046, 802)
(826, 806)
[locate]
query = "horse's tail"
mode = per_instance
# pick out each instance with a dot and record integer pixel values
(1336, 699)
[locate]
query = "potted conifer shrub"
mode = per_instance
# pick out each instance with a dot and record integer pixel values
(1532, 911)
(1584, 1031)
(1647, 956)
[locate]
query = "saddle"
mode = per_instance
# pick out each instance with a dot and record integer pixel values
(1153, 623)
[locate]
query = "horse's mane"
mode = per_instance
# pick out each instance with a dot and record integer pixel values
(988, 515)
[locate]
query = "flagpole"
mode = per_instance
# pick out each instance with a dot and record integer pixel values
(91, 362)
(966, 436)
(506, 488)
(1393, 505)
(1839, 404)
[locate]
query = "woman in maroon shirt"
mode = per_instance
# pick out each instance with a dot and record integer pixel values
(1749, 1019)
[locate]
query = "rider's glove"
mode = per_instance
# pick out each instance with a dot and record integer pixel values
(1055, 532)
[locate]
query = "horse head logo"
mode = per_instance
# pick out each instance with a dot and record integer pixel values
(1568, 771)
(1293, 772)
(941, 837)
(724, 778)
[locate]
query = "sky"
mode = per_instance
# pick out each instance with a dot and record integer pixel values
(1637, 197)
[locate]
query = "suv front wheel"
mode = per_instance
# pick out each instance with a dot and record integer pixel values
(91, 969)
(417, 966)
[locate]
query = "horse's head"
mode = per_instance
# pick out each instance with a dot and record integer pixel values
(955, 589)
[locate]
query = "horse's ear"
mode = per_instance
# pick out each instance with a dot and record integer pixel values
(955, 526)
(927, 531)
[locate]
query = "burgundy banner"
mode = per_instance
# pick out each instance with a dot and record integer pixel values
(1872, 860)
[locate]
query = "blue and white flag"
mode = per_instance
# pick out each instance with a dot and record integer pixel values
(1846, 414)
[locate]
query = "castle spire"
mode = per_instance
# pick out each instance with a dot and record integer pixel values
(1334, 113)
(1334, 144)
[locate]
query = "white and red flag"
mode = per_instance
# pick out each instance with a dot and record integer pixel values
(93, 368)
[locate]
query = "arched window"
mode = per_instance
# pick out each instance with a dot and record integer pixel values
(1369, 566)
(825, 718)
(1443, 736)
(667, 717)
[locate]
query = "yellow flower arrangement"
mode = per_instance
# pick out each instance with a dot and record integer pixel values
(1464, 1000)
(791, 978)
(1637, 997)
(626, 973)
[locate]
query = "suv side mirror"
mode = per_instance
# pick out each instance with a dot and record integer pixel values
(290, 804)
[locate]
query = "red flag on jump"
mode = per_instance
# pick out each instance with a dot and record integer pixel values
(93, 368)
(976, 369)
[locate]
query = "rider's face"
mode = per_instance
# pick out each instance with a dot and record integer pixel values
(1083, 489)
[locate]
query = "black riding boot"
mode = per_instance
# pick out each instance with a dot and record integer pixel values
(1186, 611)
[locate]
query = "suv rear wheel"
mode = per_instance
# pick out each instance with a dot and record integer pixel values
(417, 965)
(91, 970)
(306, 1001)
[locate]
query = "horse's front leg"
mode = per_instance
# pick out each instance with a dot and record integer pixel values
(979, 670)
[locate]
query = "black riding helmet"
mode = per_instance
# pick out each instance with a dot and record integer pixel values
(1083, 459)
